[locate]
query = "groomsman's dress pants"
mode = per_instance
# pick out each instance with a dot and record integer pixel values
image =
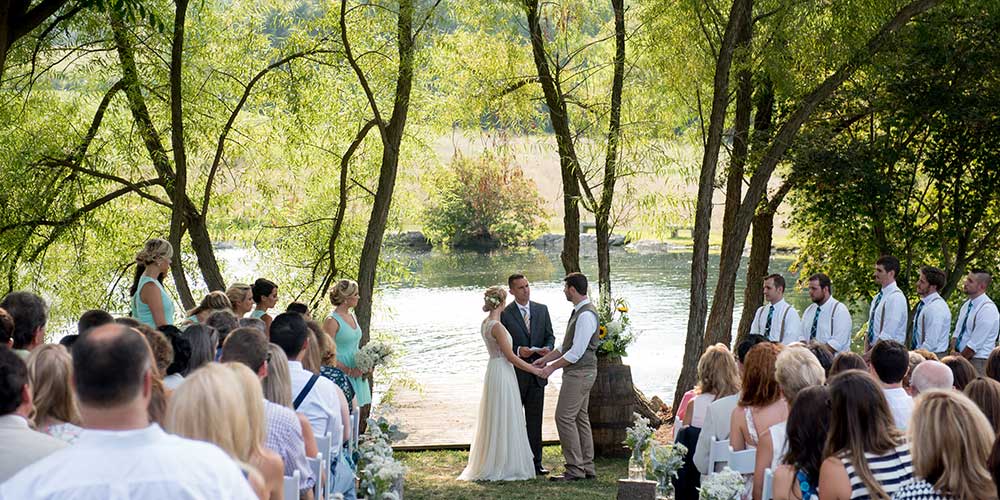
(573, 421)
(533, 399)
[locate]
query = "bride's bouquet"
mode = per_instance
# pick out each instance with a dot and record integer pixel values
(373, 354)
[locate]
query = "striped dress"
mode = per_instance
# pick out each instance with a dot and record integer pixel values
(890, 470)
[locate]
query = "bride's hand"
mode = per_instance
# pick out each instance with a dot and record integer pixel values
(539, 363)
(539, 372)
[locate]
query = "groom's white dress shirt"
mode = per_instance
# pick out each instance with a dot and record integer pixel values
(130, 465)
(785, 326)
(586, 324)
(833, 326)
(933, 324)
(321, 406)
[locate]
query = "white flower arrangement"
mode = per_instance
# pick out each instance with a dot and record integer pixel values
(637, 436)
(378, 470)
(492, 301)
(372, 354)
(664, 463)
(725, 485)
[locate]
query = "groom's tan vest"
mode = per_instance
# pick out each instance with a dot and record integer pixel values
(589, 359)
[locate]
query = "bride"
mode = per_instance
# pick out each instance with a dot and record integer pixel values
(500, 449)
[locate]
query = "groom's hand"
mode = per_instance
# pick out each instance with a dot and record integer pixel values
(524, 352)
(539, 363)
(543, 351)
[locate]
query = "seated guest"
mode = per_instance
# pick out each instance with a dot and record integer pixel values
(795, 369)
(717, 416)
(284, 432)
(181, 348)
(889, 362)
(847, 361)
(823, 354)
(30, 314)
(19, 445)
(50, 372)
(223, 322)
(867, 455)
(121, 451)
(326, 354)
(993, 365)
(718, 377)
(241, 298)
(316, 397)
(6, 329)
(92, 319)
(914, 359)
(927, 355)
(985, 392)
(950, 441)
(808, 425)
(278, 390)
(931, 375)
(212, 303)
(210, 406)
(760, 405)
(68, 340)
(254, 323)
(266, 460)
(203, 341)
(961, 369)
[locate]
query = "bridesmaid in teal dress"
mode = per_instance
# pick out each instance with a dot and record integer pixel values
(265, 294)
(345, 332)
(150, 302)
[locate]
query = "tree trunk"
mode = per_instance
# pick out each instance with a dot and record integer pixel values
(178, 188)
(703, 210)
(760, 259)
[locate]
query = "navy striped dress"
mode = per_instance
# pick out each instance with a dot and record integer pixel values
(890, 470)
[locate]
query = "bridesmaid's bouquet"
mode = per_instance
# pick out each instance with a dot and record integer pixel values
(373, 354)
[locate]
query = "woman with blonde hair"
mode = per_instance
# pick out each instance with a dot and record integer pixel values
(151, 304)
(278, 390)
(50, 369)
(950, 440)
(213, 302)
(241, 298)
(266, 461)
(718, 377)
(346, 333)
(326, 364)
(206, 408)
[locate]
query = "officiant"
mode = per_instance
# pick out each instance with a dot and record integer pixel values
(531, 333)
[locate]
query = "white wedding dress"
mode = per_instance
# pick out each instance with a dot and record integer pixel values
(500, 449)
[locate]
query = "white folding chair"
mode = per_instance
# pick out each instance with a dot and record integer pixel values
(768, 492)
(718, 453)
(743, 461)
(291, 486)
(316, 465)
(355, 426)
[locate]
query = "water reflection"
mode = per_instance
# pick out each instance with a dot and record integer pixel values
(436, 311)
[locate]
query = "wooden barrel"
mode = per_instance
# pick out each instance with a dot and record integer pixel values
(612, 402)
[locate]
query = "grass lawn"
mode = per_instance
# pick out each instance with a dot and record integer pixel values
(431, 474)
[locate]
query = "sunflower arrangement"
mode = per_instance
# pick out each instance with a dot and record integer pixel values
(615, 330)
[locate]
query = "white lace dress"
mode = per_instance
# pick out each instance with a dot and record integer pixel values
(500, 449)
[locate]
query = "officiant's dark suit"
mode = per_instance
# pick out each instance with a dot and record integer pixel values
(532, 387)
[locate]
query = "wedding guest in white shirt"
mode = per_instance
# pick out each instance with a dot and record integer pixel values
(316, 397)
(932, 318)
(776, 320)
(826, 320)
(888, 364)
(978, 321)
(888, 312)
(19, 445)
(120, 454)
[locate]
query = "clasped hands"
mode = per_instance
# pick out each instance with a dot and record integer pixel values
(540, 368)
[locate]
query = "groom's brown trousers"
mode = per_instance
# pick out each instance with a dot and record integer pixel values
(573, 422)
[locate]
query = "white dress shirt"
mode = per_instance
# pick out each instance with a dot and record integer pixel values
(586, 325)
(173, 381)
(136, 464)
(20, 446)
(981, 328)
(890, 316)
(833, 326)
(785, 327)
(716, 425)
(933, 324)
(322, 405)
(901, 405)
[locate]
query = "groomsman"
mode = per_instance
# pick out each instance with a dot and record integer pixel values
(826, 320)
(531, 333)
(778, 321)
(978, 321)
(932, 318)
(888, 312)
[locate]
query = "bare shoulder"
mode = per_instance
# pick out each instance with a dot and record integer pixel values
(784, 477)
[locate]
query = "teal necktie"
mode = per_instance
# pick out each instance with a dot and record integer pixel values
(965, 321)
(871, 319)
(767, 326)
(916, 316)
(812, 331)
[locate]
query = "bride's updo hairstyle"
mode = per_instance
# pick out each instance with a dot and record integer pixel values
(494, 297)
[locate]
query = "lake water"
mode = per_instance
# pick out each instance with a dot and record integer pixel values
(436, 312)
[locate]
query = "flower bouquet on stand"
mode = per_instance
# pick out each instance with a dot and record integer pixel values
(380, 474)
(638, 440)
(664, 462)
(725, 485)
(372, 354)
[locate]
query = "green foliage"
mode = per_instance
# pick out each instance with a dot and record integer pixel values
(483, 202)
(615, 330)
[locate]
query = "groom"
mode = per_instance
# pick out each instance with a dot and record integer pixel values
(578, 358)
(530, 327)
